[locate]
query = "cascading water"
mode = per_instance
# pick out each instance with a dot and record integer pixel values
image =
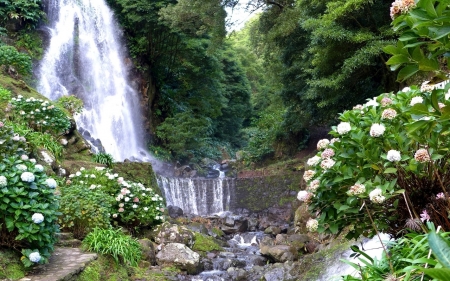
(198, 196)
(85, 58)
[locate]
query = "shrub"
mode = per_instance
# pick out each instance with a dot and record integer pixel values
(104, 158)
(9, 56)
(387, 164)
(28, 205)
(114, 242)
(41, 115)
(73, 104)
(83, 209)
(133, 204)
(28, 12)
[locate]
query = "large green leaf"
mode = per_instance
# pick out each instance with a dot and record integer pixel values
(397, 59)
(407, 72)
(442, 274)
(440, 248)
(439, 32)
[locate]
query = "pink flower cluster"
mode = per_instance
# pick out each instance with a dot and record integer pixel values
(401, 7)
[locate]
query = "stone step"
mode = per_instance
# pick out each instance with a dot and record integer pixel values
(64, 236)
(63, 264)
(73, 243)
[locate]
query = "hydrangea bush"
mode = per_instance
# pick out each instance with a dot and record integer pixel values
(386, 167)
(131, 204)
(28, 204)
(41, 115)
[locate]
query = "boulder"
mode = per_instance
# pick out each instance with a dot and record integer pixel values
(148, 251)
(172, 233)
(174, 211)
(279, 253)
(237, 274)
(231, 225)
(180, 256)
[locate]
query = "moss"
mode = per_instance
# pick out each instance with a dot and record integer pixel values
(138, 172)
(218, 231)
(104, 268)
(11, 268)
(205, 243)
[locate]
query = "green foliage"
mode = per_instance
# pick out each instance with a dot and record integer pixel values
(424, 41)
(126, 203)
(104, 158)
(41, 115)
(393, 144)
(115, 243)
(83, 209)
(31, 42)
(73, 104)
(10, 266)
(9, 56)
(28, 205)
(27, 12)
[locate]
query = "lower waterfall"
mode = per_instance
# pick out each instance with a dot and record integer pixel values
(198, 196)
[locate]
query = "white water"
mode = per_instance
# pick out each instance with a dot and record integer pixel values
(85, 58)
(337, 268)
(198, 196)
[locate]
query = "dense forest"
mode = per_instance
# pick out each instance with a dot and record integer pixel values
(260, 90)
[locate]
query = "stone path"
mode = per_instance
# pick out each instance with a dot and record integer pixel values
(63, 264)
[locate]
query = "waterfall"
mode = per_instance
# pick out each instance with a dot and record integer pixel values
(85, 58)
(198, 196)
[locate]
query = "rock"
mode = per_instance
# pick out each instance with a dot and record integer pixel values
(301, 216)
(174, 211)
(233, 225)
(172, 233)
(229, 221)
(279, 253)
(198, 227)
(148, 251)
(274, 230)
(180, 256)
(237, 274)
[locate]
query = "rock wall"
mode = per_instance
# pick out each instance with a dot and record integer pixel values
(260, 193)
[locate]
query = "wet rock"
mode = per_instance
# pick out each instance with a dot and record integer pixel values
(234, 225)
(198, 227)
(274, 230)
(279, 253)
(174, 211)
(172, 233)
(237, 274)
(148, 251)
(180, 256)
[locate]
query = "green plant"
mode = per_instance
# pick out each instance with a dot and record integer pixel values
(27, 12)
(132, 205)
(41, 115)
(28, 205)
(83, 209)
(31, 42)
(73, 104)
(424, 42)
(385, 156)
(103, 158)
(9, 56)
(114, 242)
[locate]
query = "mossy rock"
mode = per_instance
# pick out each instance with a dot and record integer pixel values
(11, 268)
(205, 243)
(138, 172)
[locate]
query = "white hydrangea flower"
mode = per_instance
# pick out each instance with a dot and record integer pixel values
(134, 206)
(39, 168)
(322, 144)
(78, 174)
(99, 168)
(327, 163)
(304, 196)
(32, 160)
(376, 196)
(312, 225)
(313, 161)
(145, 208)
(308, 175)
(356, 189)
(425, 87)
(21, 167)
(343, 128)
(393, 155)
(327, 153)
(447, 95)
(51, 183)
(37, 218)
(416, 100)
(371, 102)
(377, 130)
(27, 177)
(313, 185)
(24, 157)
(388, 113)
(34, 257)
(127, 199)
(3, 181)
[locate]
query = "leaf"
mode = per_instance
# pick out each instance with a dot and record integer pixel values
(333, 228)
(441, 249)
(390, 171)
(439, 32)
(416, 126)
(391, 50)
(408, 36)
(434, 101)
(407, 72)
(438, 273)
(397, 59)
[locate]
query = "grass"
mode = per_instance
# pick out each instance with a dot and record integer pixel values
(11, 268)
